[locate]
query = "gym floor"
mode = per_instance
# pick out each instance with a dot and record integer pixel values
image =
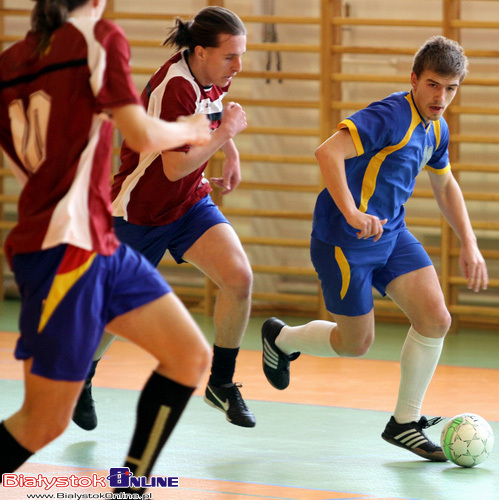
(317, 440)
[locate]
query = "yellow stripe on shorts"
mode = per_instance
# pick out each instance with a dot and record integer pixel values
(344, 269)
(60, 287)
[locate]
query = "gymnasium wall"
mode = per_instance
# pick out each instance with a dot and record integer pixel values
(308, 65)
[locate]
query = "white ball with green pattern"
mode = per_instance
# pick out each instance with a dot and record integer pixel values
(467, 439)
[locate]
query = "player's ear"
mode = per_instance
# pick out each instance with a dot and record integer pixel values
(414, 80)
(200, 52)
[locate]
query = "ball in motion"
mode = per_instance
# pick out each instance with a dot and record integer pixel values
(467, 439)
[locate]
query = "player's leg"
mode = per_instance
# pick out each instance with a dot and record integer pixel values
(166, 330)
(151, 242)
(84, 414)
(419, 295)
(56, 343)
(346, 287)
(45, 414)
(218, 253)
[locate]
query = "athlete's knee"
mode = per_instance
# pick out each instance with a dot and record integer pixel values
(44, 432)
(201, 358)
(353, 347)
(434, 324)
(193, 362)
(238, 278)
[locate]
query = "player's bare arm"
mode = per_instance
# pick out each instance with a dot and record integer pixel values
(231, 175)
(177, 165)
(144, 133)
(331, 156)
(451, 203)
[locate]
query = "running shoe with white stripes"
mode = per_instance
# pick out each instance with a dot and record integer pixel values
(275, 362)
(228, 399)
(411, 437)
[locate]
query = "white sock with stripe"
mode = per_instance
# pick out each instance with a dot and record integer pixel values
(312, 338)
(418, 361)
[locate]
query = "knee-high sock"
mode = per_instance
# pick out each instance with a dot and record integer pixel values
(223, 365)
(160, 405)
(12, 455)
(418, 362)
(312, 338)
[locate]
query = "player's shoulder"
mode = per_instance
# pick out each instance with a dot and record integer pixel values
(103, 30)
(398, 101)
(177, 76)
(109, 29)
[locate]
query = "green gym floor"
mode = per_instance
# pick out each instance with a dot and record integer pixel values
(317, 440)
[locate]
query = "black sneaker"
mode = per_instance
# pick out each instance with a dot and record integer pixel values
(84, 413)
(411, 437)
(229, 400)
(275, 362)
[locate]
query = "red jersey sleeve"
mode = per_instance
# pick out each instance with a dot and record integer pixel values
(117, 87)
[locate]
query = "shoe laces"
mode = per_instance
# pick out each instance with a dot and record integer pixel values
(425, 423)
(236, 394)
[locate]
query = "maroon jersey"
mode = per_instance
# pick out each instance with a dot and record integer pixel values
(141, 192)
(58, 136)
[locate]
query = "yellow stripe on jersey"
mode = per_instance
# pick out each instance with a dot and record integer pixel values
(60, 287)
(372, 170)
(438, 171)
(344, 269)
(436, 127)
(354, 133)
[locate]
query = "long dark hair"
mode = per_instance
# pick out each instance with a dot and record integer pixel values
(204, 28)
(48, 15)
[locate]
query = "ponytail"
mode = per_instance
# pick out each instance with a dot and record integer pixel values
(48, 15)
(180, 35)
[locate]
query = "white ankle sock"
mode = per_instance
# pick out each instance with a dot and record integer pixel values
(418, 361)
(312, 338)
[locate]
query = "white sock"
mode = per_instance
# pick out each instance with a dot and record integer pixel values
(312, 338)
(418, 362)
(105, 342)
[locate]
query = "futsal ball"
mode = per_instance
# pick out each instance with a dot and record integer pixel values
(467, 439)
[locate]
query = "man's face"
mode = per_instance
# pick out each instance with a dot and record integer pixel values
(433, 93)
(220, 64)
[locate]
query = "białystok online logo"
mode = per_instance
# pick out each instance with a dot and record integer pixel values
(119, 477)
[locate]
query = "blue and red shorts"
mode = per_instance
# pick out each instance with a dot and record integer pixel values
(69, 295)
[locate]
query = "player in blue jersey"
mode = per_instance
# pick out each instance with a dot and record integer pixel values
(360, 240)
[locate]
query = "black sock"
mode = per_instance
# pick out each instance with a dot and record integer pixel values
(160, 405)
(13, 454)
(91, 373)
(223, 365)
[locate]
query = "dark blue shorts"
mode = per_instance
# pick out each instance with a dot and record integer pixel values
(68, 297)
(177, 237)
(347, 275)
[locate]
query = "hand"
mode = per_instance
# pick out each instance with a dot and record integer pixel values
(234, 119)
(198, 128)
(368, 225)
(231, 176)
(474, 267)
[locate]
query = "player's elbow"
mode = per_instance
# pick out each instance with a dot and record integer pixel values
(172, 173)
(142, 142)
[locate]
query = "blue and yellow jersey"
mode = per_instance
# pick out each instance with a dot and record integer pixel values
(393, 145)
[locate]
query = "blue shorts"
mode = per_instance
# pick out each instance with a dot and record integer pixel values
(347, 275)
(68, 297)
(177, 237)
